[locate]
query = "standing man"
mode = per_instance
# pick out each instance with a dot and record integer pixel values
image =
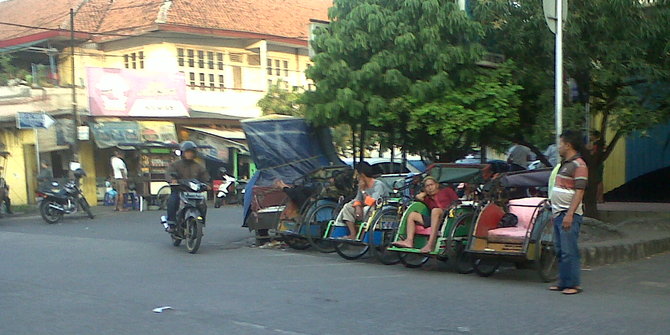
(120, 178)
(45, 176)
(4, 194)
(518, 157)
(566, 205)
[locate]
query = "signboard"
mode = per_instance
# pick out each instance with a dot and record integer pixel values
(550, 13)
(125, 92)
(34, 120)
(83, 133)
(158, 131)
(110, 134)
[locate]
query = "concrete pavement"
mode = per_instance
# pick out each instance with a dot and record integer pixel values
(104, 276)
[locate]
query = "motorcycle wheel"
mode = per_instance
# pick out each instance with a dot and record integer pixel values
(86, 207)
(50, 215)
(193, 234)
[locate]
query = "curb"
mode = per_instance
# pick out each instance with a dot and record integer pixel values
(594, 255)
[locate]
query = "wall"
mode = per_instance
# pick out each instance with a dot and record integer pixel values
(14, 167)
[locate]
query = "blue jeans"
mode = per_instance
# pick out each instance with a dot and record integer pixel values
(567, 251)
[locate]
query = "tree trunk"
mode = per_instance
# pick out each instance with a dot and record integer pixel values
(362, 144)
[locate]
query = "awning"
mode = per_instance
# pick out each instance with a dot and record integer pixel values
(219, 141)
(227, 134)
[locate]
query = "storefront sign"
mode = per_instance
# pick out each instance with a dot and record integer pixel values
(125, 92)
(111, 134)
(83, 133)
(158, 131)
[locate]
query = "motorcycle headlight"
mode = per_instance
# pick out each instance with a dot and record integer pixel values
(195, 187)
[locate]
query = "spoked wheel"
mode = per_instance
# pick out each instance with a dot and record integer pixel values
(386, 222)
(462, 260)
(49, 214)
(297, 243)
(413, 260)
(193, 234)
(456, 243)
(315, 222)
(86, 207)
(546, 260)
(484, 267)
(351, 250)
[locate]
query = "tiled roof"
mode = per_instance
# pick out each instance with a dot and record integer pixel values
(284, 18)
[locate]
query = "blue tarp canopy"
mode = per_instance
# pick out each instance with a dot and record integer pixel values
(285, 148)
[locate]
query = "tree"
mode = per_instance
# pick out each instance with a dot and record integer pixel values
(615, 50)
(281, 101)
(379, 60)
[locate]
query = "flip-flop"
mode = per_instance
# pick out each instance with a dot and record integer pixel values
(576, 291)
(555, 288)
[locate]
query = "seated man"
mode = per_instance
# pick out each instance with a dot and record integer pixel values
(369, 190)
(438, 200)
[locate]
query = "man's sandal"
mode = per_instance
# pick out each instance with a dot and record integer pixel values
(575, 290)
(555, 288)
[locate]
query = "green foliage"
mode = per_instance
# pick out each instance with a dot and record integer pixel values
(281, 101)
(616, 50)
(405, 67)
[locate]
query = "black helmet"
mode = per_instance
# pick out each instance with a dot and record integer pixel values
(188, 145)
(78, 173)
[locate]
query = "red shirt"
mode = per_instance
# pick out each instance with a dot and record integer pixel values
(443, 199)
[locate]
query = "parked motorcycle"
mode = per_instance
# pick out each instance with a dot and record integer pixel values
(60, 200)
(190, 215)
(226, 191)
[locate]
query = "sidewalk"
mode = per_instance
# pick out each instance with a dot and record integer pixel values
(631, 231)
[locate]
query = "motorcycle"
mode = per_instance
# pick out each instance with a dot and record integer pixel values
(190, 214)
(60, 200)
(226, 190)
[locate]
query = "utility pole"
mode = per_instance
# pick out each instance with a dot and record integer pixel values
(75, 115)
(559, 70)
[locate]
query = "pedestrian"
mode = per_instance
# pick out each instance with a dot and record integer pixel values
(567, 209)
(518, 157)
(4, 194)
(45, 176)
(552, 154)
(120, 179)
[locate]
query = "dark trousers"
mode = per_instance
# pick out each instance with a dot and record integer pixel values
(567, 250)
(172, 207)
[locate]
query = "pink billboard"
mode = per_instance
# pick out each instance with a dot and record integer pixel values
(124, 92)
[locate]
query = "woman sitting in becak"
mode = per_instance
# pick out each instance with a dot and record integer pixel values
(438, 200)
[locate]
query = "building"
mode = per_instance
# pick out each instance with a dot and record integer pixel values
(229, 52)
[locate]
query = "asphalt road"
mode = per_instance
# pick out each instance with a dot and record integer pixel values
(105, 276)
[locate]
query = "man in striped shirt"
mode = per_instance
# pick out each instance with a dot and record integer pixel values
(566, 204)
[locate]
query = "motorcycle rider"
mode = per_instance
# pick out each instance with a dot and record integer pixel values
(185, 168)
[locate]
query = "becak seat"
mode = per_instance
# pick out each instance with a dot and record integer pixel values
(526, 210)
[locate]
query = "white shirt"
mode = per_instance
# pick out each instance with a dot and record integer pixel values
(118, 166)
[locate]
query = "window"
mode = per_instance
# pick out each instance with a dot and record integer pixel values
(277, 67)
(219, 60)
(211, 81)
(201, 59)
(192, 79)
(134, 60)
(221, 83)
(180, 56)
(191, 61)
(236, 57)
(202, 81)
(254, 60)
(210, 60)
